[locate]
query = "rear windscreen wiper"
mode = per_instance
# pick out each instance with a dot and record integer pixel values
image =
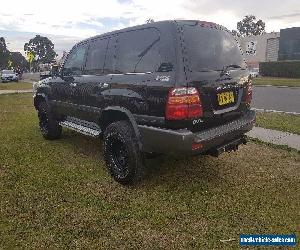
(144, 52)
(208, 70)
(227, 67)
(234, 66)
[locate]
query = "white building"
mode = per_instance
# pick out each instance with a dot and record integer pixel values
(262, 48)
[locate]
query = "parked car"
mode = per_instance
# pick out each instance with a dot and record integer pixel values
(9, 76)
(45, 74)
(254, 72)
(49, 73)
(171, 87)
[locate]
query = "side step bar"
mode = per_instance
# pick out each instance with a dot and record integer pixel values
(80, 128)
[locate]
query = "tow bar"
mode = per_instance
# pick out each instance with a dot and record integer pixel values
(230, 146)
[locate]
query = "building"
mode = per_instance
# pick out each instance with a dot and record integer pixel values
(289, 44)
(275, 46)
(262, 48)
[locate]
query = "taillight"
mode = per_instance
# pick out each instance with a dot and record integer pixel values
(183, 103)
(249, 92)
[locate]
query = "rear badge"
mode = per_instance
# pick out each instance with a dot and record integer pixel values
(197, 121)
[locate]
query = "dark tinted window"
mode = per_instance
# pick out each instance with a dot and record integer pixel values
(109, 66)
(96, 57)
(211, 48)
(75, 60)
(138, 51)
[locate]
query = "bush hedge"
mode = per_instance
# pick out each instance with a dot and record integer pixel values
(280, 69)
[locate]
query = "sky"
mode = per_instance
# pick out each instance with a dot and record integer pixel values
(67, 22)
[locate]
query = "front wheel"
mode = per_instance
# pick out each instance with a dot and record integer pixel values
(48, 125)
(122, 154)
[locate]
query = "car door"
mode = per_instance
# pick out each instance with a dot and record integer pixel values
(63, 88)
(91, 89)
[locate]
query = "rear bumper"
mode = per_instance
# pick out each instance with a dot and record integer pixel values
(160, 140)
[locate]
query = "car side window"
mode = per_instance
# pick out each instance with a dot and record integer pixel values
(96, 57)
(138, 51)
(75, 60)
(110, 57)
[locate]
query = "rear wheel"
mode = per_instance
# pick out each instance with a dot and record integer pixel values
(49, 126)
(122, 154)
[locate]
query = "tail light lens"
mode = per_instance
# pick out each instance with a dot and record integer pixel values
(249, 92)
(183, 103)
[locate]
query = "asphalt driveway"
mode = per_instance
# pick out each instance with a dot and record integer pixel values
(276, 98)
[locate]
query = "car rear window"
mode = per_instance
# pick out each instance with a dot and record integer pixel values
(211, 48)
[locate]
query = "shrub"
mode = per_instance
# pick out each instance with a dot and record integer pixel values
(280, 69)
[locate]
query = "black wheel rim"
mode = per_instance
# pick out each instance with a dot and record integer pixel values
(44, 120)
(118, 155)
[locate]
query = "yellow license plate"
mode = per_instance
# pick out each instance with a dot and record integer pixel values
(225, 98)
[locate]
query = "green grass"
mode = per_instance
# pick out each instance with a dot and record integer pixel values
(279, 121)
(277, 81)
(15, 85)
(58, 194)
(284, 147)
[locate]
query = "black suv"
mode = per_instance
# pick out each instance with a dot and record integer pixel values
(178, 87)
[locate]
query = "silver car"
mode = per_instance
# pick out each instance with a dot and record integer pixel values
(9, 76)
(254, 72)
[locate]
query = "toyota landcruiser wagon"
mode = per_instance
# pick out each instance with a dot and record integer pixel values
(170, 87)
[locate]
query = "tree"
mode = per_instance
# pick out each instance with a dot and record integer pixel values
(235, 33)
(150, 20)
(2, 45)
(42, 48)
(4, 53)
(18, 60)
(249, 26)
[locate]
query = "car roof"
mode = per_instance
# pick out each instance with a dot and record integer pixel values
(155, 25)
(142, 26)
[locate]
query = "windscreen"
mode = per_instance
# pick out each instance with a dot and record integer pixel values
(211, 48)
(7, 71)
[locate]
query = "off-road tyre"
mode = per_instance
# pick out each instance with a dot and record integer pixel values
(49, 127)
(122, 155)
